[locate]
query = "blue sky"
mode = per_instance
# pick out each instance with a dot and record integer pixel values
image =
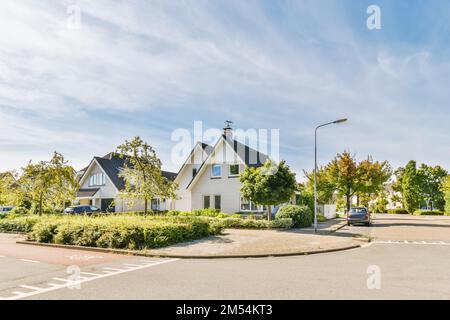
(150, 67)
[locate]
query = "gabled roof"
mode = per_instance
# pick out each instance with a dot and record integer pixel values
(113, 163)
(248, 155)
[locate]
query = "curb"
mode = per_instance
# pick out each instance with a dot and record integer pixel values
(230, 256)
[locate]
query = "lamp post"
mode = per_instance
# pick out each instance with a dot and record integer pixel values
(315, 167)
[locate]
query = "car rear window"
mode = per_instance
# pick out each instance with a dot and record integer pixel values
(358, 210)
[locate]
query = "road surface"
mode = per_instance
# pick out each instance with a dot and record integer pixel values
(409, 258)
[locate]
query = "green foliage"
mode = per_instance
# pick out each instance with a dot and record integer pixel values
(8, 188)
(271, 184)
(446, 190)
(142, 174)
(301, 216)
(48, 184)
(411, 187)
(431, 180)
(428, 213)
(239, 223)
(19, 211)
(397, 211)
(18, 224)
(380, 205)
(349, 177)
(126, 232)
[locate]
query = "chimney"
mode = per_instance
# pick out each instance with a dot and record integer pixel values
(228, 130)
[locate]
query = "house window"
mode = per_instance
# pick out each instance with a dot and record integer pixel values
(247, 205)
(155, 205)
(217, 202)
(234, 170)
(97, 179)
(216, 171)
(206, 202)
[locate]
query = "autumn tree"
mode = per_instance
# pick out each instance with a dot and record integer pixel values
(142, 173)
(48, 183)
(270, 185)
(348, 177)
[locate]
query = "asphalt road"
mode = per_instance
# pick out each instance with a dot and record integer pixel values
(408, 259)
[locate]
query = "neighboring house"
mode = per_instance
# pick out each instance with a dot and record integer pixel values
(210, 176)
(100, 185)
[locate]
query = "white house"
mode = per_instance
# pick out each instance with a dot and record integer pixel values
(209, 178)
(100, 184)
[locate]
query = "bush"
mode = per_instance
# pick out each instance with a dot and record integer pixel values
(18, 224)
(19, 211)
(397, 211)
(126, 232)
(239, 223)
(301, 215)
(428, 213)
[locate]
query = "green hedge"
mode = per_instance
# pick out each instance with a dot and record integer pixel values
(301, 215)
(428, 213)
(18, 224)
(239, 223)
(397, 211)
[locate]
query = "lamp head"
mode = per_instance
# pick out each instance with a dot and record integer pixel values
(340, 120)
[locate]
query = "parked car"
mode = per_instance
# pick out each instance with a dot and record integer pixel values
(6, 209)
(81, 210)
(359, 215)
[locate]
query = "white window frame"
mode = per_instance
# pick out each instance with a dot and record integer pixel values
(212, 171)
(94, 179)
(158, 204)
(229, 170)
(258, 208)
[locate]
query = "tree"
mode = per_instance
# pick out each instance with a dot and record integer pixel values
(446, 190)
(343, 173)
(272, 184)
(431, 180)
(48, 183)
(8, 187)
(142, 173)
(325, 188)
(372, 176)
(411, 187)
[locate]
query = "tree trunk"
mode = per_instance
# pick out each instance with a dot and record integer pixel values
(145, 206)
(269, 213)
(357, 200)
(40, 204)
(348, 202)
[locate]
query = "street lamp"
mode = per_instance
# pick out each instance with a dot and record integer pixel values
(315, 167)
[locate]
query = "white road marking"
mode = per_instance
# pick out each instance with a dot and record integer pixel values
(27, 260)
(67, 283)
(90, 273)
(112, 269)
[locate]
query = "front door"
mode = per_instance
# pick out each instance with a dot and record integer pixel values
(106, 205)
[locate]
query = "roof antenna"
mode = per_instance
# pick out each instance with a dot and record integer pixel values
(228, 129)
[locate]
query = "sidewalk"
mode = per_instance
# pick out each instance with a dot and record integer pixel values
(235, 243)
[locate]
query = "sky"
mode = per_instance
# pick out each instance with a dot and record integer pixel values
(149, 68)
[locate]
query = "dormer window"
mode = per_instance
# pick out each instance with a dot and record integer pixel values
(97, 179)
(234, 170)
(216, 171)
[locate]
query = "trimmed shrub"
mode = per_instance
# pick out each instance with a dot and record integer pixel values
(18, 224)
(19, 211)
(126, 232)
(301, 215)
(428, 213)
(239, 223)
(397, 211)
